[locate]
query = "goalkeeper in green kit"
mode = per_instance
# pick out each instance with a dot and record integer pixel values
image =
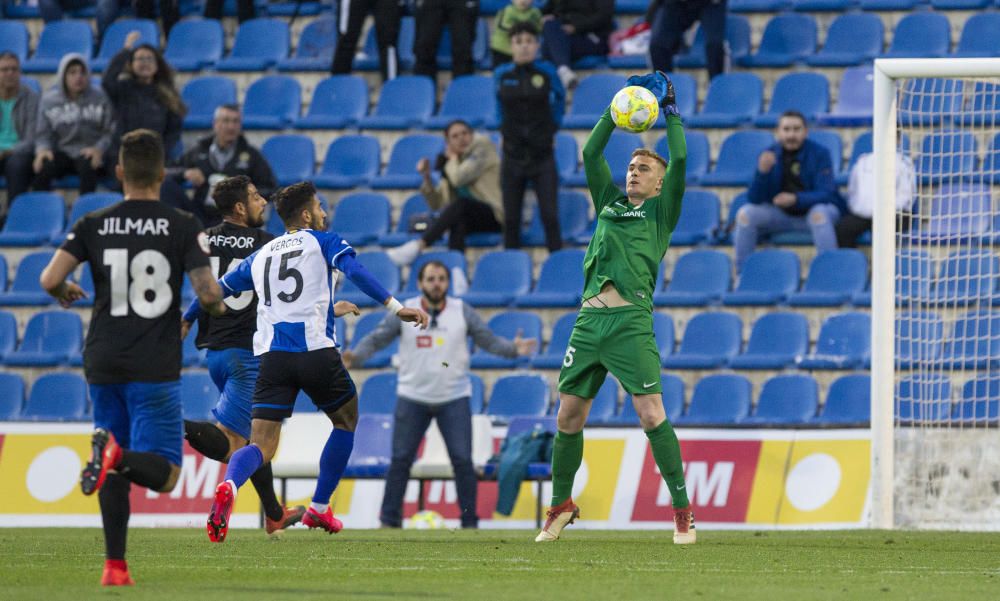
(614, 330)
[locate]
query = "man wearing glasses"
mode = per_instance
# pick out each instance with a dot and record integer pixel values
(434, 383)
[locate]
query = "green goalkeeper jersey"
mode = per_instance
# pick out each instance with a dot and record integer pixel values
(630, 241)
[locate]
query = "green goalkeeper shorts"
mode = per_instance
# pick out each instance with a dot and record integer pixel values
(619, 340)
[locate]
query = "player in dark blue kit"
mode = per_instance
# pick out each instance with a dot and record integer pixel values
(138, 250)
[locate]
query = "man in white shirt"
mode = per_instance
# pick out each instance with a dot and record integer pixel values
(861, 198)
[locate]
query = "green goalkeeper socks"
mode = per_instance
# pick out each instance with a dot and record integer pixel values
(667, 453)
(567, 455)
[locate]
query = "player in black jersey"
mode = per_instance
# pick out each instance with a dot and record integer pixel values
(138, 250)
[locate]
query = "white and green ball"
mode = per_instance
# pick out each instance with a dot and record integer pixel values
(427, 520)
(634, 109)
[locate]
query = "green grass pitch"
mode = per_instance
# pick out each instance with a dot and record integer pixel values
(54, 564)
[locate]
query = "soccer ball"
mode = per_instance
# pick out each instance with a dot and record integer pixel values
(634, 109)
(427, 520)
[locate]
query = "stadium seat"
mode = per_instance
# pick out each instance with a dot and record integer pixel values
(470, 98)
(202, 95)
(807, 93)
(567, 155)
(574, 213)
(57, 39)
(114, 39)
(923, 398)
(14, 38)
(834, 277)
(663, 330)
(382, 269)
(378, 394)
(617, 153)
(401, 170)
(758, 6)
(555, 352)
(452, 259)
(844, 342)
(956, 214)
(508, 325)
(788, 38)
(591, 98)
(337, 102)
(351, 161)
(518, 395)
(87, 203)
(855, 99)
(478, 398)
(699, 218)
(966, 277)
(314, 48)
(500, 276)
(35, 218)
(776, 341)
(848, 402)
(832, 142)
(272, 102)
(49, 338)
(737, 160)
(888, 5)
(259, 44)
(191, 355)
(480, 47)
(718, 400)
(918, 338)
(983, 111)
(697, 161)
(291, 157)
(198, 396)
(281, 8)
(980, 404)
(60, 397)
(361, 217)
(737, 37)
(25, 290)
(979, 39)
(413, 207)
(710, 341)
(373, 447)
(734, 99)
(673, 402)
(700, 278)
(364, 326)
(8, 333)
(11, 397)
(560, 282)
(768, 277)
(404, 102)
(788, 399)
(929, 101)
(194, 44)
(974, 342)
(852, 39)
(920, 35)
(604, 406)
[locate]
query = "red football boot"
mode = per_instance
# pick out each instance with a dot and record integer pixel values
(292, 516)
(116, 573)
(325, 520)
(222, 507)
(558, 518)
(105, 455)
(684, 526)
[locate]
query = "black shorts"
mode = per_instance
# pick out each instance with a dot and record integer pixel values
(320, 374)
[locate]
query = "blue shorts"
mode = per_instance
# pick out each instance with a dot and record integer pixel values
(143, 416)
(234, 371)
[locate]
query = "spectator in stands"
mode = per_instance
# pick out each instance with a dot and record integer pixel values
(669, 19)
(245, 9)
(74, 127)
(861, 198)
(530, 103)
(141, 87)
(170, 11)
(430, 17)
(55, 10)
(387, 15)
(469, 191)
(792, 190)
(573, 29)
(518, 11)
(18, 119)
(434, 384)
(223, 154)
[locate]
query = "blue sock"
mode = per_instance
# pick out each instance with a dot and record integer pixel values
(332, 463)
(243, 464)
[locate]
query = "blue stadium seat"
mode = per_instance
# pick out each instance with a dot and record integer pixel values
(663, 330)
(699, 218)
(980, 404)
(87, 203)
(734, 99)
(673, 402)
(8, 333)
(59, 38)
(202, 95)
(414, 206)
(382, 268)
(928, 101)
(718, 400)
(365, 326)
(25, 290)
(591, 98)
(191, 355)
(49, 338)
(966, 277)
(351, 161)
(272, 102)
(956, 214)
(567, 155)
(832, 142)
(834, 277)
(574, 212)
(554, 353)
(918, 338)
(888, 5)
(198, 396)
(11, 397)
(367, 59)
(924, 398)
(710, 341)
(560, 282)
(315, 47)
(114, 39)
(776, 340)
(404, 102)
(373, 447)
(480, 47)
(920, 35)
(468, 97)
(401, 170)
(788, 38)
(984, 110)
(194, 44)
(768, 277)
(58, 397)
(604, 405)
(478, 398)
(737, 36)
(259, 44)
(979, 39)
(852, 39)
(507, 325)
(337, 102)
(700, 278)
(855, 99)
(35, 218)
(974, 342)
(788, 399)
(848, 402)
(280, 8)
(807, 93)
(844, 342)
(697, 161)
(361, 217)
(291, 157)
(518, 395)
(452, 259)
(617, 153)
(737, 160)
(14, 38)
(378, 394)
(960, 4)
(32, 83)
(913, 276)
(501, 276)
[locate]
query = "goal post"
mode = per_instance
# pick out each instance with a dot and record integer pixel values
(899, 445)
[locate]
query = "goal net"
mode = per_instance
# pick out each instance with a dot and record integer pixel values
(936, 351)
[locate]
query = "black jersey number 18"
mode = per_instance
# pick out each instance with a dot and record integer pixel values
(284, 272)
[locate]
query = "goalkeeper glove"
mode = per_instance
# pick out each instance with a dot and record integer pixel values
(662, 88)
